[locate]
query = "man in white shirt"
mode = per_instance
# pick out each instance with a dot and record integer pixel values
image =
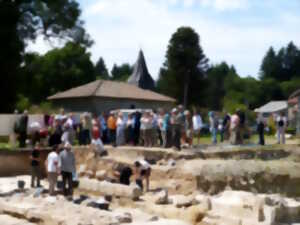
(53, 165)
(197, 125)
(281, 124)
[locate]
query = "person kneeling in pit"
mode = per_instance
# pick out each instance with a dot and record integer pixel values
(123, 173)
(142, 172)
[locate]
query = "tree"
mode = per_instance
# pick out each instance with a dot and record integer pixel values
(101, 70)
(25, 20)
(122, 72)
(282, 66)
(270, 67)
(216, 75)
(57, 70)
(185, 64)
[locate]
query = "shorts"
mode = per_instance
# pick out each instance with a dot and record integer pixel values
(146, 172)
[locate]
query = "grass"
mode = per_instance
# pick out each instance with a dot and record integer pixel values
(5, 145)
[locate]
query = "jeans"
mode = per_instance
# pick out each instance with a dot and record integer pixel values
(214, 135)
(112, 136)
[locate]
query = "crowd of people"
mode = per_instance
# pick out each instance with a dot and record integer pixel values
(149, 128)
(61, 162)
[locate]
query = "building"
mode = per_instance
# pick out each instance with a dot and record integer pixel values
(273, 107)
(140, 76)
(103, 96)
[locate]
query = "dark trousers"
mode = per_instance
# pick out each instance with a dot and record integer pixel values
(176, 137)
(22, 139)
(112, 136)
(67, 178)
(260, 130)
(35, 175)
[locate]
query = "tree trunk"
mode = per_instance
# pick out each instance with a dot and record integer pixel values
(186, 90)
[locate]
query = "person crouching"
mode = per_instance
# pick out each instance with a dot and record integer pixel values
(142, 172)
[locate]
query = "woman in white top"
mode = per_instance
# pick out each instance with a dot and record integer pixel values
(281, 124)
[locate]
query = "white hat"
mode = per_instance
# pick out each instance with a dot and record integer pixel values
(174, 110)
(68, 145)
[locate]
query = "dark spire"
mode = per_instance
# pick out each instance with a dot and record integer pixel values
(140, 76)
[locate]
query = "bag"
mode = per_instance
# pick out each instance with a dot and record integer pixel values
(280, 123)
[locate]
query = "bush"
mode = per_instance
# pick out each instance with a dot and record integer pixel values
(22, 103)
(43, 108)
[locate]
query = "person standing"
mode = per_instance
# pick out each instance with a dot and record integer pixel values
(197, 125)
(35, 166)
(225, 132)
(188, 128)
(130, 129)
(22, 129)
(261, 129)
(234, 129)
(213, 126)
(176, 129)
(53, 165)
(112, 126)
(120, 130)
(166, 130)
(68, 168)
(281, 124)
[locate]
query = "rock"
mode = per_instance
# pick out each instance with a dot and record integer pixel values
(181, 201)
(113, 189)
(203, 200)
(125, 218)
(101, 175)
(99, 204)
(81, 199)
(171, 162)
(21, 184)
(153, 219)
(89, 174)
(38, 192)
(161, 197)
(81, 170)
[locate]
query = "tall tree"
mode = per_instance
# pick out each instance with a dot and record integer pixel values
(101, 70)
(122, 72)
(25, 20)
(270, 65)
(216, 75)
(185, 63)
(58, 70)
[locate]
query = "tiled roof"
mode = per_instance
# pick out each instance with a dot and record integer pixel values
(273, 106)
(111, 89)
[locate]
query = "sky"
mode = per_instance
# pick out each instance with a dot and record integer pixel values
(238, 32)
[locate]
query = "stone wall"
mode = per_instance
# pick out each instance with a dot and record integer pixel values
(13, 163)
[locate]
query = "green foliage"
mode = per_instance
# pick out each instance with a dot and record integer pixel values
(57, 70)
(22, 21)
(22, 103)
(281, 66)
(122, 72)
(101, 70)
(43, 108)
(185, 63)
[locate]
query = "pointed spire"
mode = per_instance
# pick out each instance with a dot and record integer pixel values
(140, 76)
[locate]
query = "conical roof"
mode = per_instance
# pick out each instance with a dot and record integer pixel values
(140, 76)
